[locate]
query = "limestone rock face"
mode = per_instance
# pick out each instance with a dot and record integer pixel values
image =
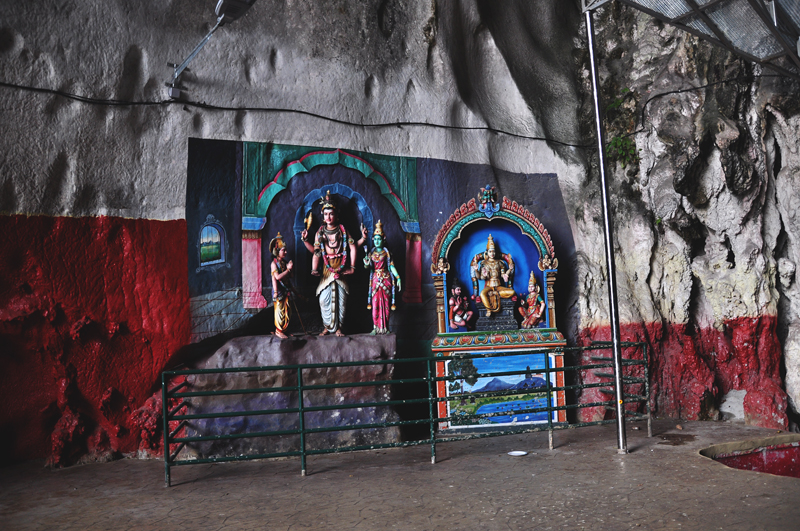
(705, 219)
(254, 351)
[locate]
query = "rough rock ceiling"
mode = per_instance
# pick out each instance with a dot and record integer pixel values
(763, 31)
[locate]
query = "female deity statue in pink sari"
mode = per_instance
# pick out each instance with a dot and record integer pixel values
(532, 307)
(383, 278)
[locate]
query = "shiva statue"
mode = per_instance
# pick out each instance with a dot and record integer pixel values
(494, 271)
(337, 250)
(383, 278)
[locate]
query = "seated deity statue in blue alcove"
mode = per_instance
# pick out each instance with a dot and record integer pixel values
(494, 272)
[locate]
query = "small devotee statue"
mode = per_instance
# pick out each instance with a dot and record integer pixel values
(440, 267)
(337, 251)
(532, 308)
(383, 278)
(458, 312)
(281, 273)
(494, 271)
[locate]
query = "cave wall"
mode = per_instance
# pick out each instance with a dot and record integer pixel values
(704, 219)
(93, 286)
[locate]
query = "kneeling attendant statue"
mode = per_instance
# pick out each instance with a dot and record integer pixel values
(459, 313)
(383, 278)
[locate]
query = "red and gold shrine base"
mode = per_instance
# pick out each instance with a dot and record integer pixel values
(520, 351)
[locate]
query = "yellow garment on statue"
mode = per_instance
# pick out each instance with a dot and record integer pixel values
(282, 314)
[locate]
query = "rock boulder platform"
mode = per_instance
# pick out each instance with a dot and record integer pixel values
(260, 351)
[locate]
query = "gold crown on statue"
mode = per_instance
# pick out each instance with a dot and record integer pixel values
(378, 228)
(327, 202)
(276, 244)
(490, 243)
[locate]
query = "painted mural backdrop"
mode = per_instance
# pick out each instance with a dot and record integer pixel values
(93, 308)
(241, 195)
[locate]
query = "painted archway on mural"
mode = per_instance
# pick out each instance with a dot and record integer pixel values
(395, 177)
(328, 158)
(478, 218)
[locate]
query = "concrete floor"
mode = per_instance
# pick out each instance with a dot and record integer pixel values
(663, 483)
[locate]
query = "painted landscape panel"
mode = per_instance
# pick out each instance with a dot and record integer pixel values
(478, 377)
(210, 245)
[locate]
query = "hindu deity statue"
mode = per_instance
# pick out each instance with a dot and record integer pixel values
(383, 278)
(458, 312)
(532, 308)
(281, 270)
(440, 267)
(494, 272)
(337, 251)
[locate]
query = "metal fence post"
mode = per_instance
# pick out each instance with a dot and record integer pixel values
(647, 391)
(165, 422)
(549, 400)
(430, 411)
(302, 422)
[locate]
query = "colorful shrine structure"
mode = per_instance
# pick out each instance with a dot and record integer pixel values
(482, 247)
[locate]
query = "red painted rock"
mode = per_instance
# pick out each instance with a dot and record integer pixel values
(691, 369)
(86, 304)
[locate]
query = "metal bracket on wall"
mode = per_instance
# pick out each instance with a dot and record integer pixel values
(591, 5)
(227, 11)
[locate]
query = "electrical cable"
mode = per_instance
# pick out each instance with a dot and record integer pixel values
(212, 107)
(738, 79)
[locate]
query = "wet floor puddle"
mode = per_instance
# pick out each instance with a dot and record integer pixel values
(773, 455)
(676, 439)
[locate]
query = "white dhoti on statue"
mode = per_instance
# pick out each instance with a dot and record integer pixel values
(332, 294)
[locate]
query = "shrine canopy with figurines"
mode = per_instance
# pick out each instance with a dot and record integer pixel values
(502, 260)
(494, 268)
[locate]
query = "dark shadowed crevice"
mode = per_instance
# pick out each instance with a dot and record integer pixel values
(740, 174)
(8, 197)
(695, 234)
(688, 183)
(777, 163)
(784, 304)
(694, 306)
(533, 38)
(429, 34)
(458, 56)
(58, 176)
(132, 77)
(784, 318)
(386, 18)
(730, 257)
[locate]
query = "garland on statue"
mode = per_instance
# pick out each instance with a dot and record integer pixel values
(335, 271)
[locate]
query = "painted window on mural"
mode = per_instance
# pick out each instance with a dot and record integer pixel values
(212, 244)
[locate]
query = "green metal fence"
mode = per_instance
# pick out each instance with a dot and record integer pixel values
(178, 415)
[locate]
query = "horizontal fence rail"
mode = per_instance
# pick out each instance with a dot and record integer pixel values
(185, 434)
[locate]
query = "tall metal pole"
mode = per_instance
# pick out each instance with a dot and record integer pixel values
(622, 445)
